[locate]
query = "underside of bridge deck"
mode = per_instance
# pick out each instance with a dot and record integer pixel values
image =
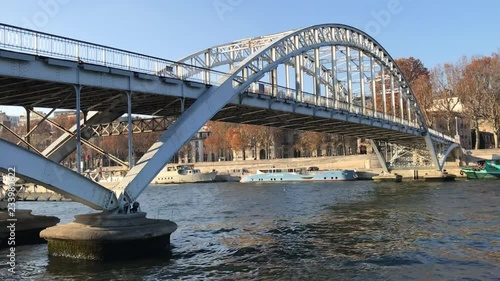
(35, 93)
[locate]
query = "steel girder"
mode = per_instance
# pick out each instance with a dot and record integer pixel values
(66, 143)
(39, 170)
(417, 156)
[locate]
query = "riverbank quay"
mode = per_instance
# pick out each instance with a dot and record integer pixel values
(366, 165)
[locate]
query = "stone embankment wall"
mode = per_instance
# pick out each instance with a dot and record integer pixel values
(367, 165)
(353, 162)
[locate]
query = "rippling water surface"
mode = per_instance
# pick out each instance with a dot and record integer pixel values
(323, 231)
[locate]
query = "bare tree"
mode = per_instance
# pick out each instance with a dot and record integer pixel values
(472, 89)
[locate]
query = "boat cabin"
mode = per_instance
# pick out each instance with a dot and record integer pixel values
(281, 170)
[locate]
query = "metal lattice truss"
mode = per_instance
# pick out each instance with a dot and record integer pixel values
(230, 55)
(413, 156)
(349, 69)
(148, 125)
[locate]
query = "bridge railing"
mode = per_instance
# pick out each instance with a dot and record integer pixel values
(47, 45)
(441, 135)
(263, 88)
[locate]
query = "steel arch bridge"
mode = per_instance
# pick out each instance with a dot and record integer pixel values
(327, 78)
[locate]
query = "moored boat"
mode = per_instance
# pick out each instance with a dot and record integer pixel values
(299, 174)
(486, 169)
(183, 174)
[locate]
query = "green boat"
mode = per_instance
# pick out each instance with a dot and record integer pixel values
(486, 169)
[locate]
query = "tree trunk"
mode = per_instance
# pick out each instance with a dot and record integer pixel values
(495, 136)
(478, 140)
(343, 143)
(495, 131)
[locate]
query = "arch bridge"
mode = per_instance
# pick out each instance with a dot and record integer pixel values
(328, 78)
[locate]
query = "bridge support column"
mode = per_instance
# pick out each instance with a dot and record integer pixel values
(432, 152)
(25, 226)
(105, 236)
(380, 156)
(129, 120)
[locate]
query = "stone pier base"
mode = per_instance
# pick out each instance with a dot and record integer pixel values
(388, 178)
(102, 236)
(25, 229)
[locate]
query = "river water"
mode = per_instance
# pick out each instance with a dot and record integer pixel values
(292, 231)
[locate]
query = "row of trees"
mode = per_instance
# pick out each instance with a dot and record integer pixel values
(227, 138)
(469, 86)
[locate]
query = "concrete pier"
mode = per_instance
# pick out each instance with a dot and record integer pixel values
(439, 176)
(388, 178)
(102, 236)
(26, 228)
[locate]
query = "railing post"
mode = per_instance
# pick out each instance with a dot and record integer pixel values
(374, 88)
(408, 109)
(384, 98)
(178, 71)
(362, 81)
(334, 76)
(77, 51)
(274, 75)
(349, 77)
(401, 104)
(129, 124)
(36, 44)
(393, 101)
(317, 73)
(287, 79)
(207, 65)
(298, 71)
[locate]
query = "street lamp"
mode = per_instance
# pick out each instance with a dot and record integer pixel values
(457, 136)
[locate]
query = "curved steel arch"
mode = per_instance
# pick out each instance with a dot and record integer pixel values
(450, 149)
(237, 51)
(228, 53)
(331, 34)
(299, 41)
(239, 79)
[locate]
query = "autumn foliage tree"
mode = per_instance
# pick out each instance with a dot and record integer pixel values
(493, 97)
(217, 143)
(473, 90)
(418, 76)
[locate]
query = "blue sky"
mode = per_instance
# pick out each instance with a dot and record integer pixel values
(433, 32)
